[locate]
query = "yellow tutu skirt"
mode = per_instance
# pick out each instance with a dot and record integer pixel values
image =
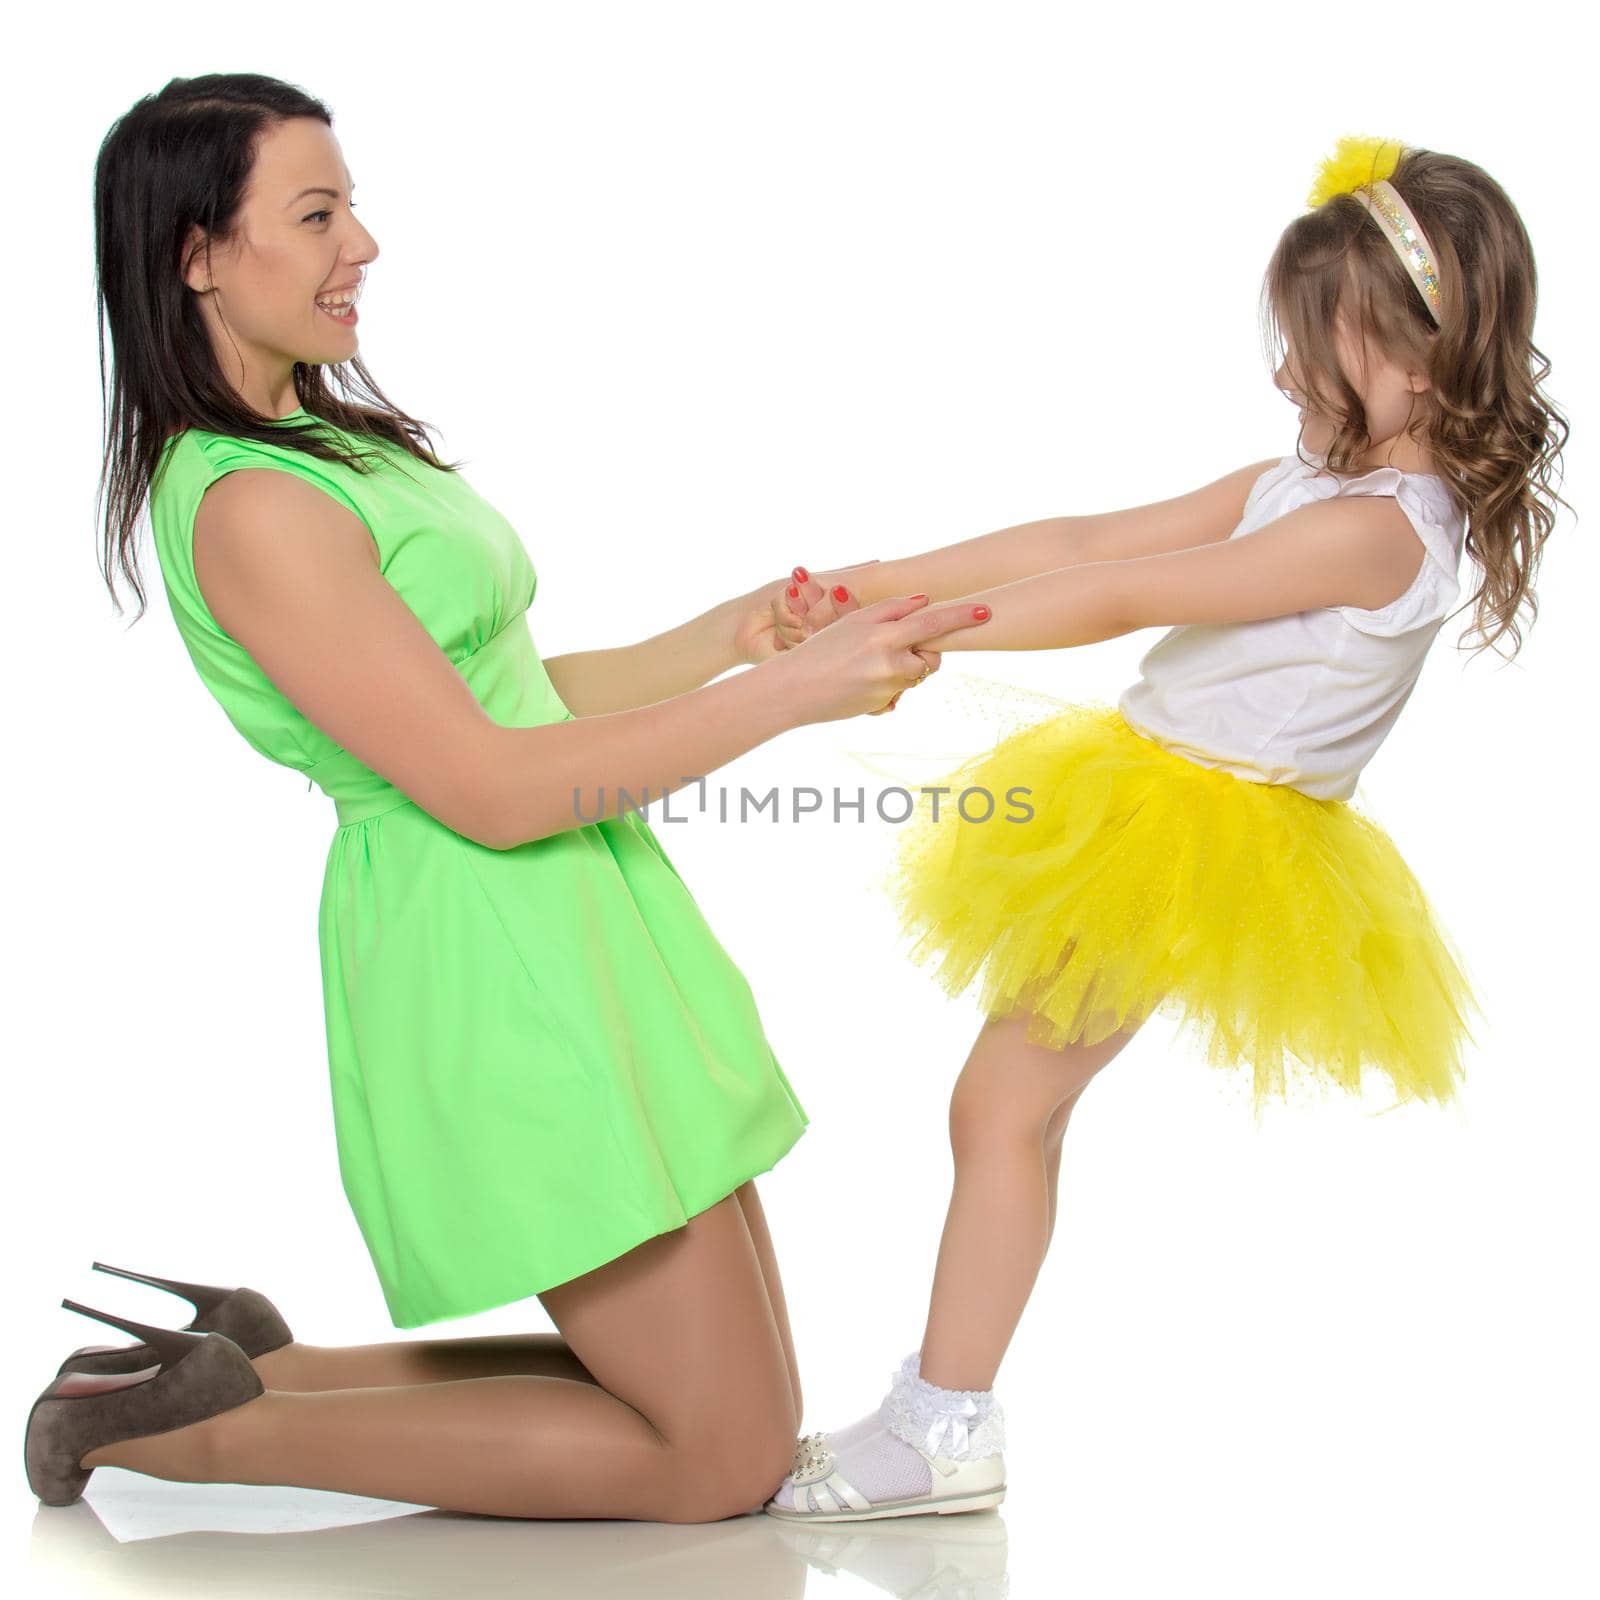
(1286, 933)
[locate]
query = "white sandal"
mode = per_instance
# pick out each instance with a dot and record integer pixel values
(823, 1494)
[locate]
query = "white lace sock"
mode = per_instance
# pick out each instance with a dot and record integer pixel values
(876, 1454)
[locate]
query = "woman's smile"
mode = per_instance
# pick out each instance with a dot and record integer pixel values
(340, 304)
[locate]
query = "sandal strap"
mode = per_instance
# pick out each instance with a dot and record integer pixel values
(835, 1493)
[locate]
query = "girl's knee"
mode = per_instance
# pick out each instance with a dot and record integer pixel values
(1055, 1130)
(984, 1115)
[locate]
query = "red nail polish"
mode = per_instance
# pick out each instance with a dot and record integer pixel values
(794, 593)
(802, 575)
(980, 612)
(840, 592)
(919, 597)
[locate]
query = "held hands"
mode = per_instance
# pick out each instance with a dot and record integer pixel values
(763, 624)
(867, 657)
(804, 606)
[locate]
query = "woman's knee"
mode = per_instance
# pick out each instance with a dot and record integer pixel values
(731, 1472)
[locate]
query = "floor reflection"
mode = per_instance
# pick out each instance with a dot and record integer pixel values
(135, 1536)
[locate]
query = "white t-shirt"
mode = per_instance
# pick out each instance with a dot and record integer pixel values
(1303, 699)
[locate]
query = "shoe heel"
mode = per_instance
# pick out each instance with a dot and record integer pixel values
(197, 1376)
(204, 1296)
(171, 1345)
(246, 1316)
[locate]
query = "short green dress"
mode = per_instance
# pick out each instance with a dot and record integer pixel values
(539, 1057)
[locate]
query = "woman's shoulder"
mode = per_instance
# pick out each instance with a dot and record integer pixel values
(195, 458)
(193, 450)
(202, 446)
(185, 467)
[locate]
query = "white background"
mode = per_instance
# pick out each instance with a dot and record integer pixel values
(698, 292)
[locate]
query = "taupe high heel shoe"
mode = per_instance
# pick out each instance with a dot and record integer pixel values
(193, 1376)
(243, 1315)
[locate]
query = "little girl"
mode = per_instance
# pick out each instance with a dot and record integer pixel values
(1193, 849)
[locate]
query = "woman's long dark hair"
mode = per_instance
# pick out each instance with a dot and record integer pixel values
(172, 161)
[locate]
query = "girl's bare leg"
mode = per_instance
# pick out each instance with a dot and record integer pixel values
(1054, 1133)
(307, 1368)
(1009, 1097)
(1008, 1117)
(688, 1415)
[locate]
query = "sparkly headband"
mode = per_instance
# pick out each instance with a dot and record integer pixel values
(1360, 168)
(1383, 200)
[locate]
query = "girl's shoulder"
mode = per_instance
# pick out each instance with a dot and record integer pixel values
(1429, 507)
(1427, 499)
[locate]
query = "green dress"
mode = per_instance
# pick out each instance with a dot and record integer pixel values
(539, 1057)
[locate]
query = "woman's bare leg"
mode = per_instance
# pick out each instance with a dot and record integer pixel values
(307, 1368)
(1001, 1213)
(689, 1416)
(756, 1220)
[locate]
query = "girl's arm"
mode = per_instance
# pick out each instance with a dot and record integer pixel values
(594, 682)
(1201, 516)
(1361, 551)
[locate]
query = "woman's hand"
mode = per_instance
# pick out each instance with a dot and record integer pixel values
(869, 657)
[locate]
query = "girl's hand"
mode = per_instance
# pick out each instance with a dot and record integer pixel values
(805, 606)
(763, 623)
(870, 657)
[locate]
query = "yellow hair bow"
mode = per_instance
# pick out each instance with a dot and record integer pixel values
(1360, 167)
(1356, 160)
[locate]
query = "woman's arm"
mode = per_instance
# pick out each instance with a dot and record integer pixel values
(735, 633)
(292, 577)
(593, 682)
(1360, 551)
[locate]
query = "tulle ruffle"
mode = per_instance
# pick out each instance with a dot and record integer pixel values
(1284, 934)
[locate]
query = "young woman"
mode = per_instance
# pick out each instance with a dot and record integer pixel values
(548, 1076)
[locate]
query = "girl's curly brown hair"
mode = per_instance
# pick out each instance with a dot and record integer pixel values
(1493, 436)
